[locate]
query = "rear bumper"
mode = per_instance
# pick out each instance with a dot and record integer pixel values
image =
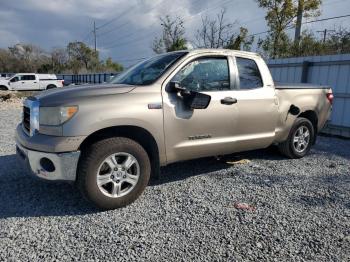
(50, 166)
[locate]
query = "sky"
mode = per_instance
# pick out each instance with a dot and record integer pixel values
(126, 28)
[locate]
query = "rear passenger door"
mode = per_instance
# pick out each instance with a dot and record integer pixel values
(257, 106)
(29, 82)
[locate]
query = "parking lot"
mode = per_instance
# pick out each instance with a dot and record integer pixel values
(300, 210)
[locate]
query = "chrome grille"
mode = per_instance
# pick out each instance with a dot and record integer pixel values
(26, 119)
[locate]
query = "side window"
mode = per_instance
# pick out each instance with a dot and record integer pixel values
(28, 77)
(14, 79)
(205, 74)
(249, 74)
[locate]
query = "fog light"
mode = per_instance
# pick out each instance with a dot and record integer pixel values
(47, 164)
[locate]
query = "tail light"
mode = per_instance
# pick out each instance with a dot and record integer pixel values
(330, 96)
(62, 81)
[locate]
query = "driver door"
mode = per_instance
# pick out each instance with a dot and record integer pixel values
(193, 133)
(15, 82)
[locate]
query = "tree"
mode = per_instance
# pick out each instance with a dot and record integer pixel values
(173, 36)
(27, 57)
(218, 33)
(80, 54)
(281, 15)
(112, 66)
(242, 41)
(339, 41)
(59, 58)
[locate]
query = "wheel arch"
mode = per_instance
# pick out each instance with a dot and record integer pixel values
(49, 86)
(312, 117)
(139, 134)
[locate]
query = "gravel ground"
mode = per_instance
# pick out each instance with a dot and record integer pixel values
(302, 210)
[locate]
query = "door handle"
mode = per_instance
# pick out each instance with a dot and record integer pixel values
(23, 82)
(228, 101)
(34, 82)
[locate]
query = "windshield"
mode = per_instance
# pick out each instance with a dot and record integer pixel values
(147, 72)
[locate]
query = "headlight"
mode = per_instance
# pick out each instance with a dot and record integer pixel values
(54, 116)
(34, 115)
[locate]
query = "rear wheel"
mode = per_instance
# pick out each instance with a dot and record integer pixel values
(299, 140)
(113, 172)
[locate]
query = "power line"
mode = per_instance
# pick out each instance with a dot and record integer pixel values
(268, 31)
(140, 29)
(87, 36)
(149, 33)
(128, 22)
(325, 32)
(118, 17)
(326, 19)
(307, 22)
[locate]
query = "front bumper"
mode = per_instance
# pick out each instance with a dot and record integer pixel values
(47, 143)
(55, 166)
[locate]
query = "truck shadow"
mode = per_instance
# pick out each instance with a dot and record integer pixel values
(185, 169)
(22, 195)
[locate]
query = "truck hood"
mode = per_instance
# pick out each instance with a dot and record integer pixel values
(59, 96)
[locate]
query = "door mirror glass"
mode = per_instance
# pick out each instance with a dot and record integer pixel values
(195, 100)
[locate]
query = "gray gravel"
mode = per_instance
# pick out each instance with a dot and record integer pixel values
(302, 210)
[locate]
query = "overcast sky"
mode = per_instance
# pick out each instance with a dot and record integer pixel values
(127, 27)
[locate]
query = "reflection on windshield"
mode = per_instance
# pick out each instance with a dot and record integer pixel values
(148, 71)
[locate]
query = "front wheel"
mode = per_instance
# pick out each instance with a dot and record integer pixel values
(299, 140)
(113, 172)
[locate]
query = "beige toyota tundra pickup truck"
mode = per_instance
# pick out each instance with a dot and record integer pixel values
(110, 139)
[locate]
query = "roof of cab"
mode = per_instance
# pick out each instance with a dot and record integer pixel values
(219, 51)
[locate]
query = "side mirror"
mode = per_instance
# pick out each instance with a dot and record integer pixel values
(174, 87)
(195, 100)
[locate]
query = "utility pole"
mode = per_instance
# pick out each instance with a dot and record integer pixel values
(299, 21)
(94, 32)
(324, 32)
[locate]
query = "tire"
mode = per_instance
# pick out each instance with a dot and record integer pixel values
(93, 166)
(3, 88)
(290, 148)
(51, 86)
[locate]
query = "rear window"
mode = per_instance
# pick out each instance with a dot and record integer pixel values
(249, 74)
